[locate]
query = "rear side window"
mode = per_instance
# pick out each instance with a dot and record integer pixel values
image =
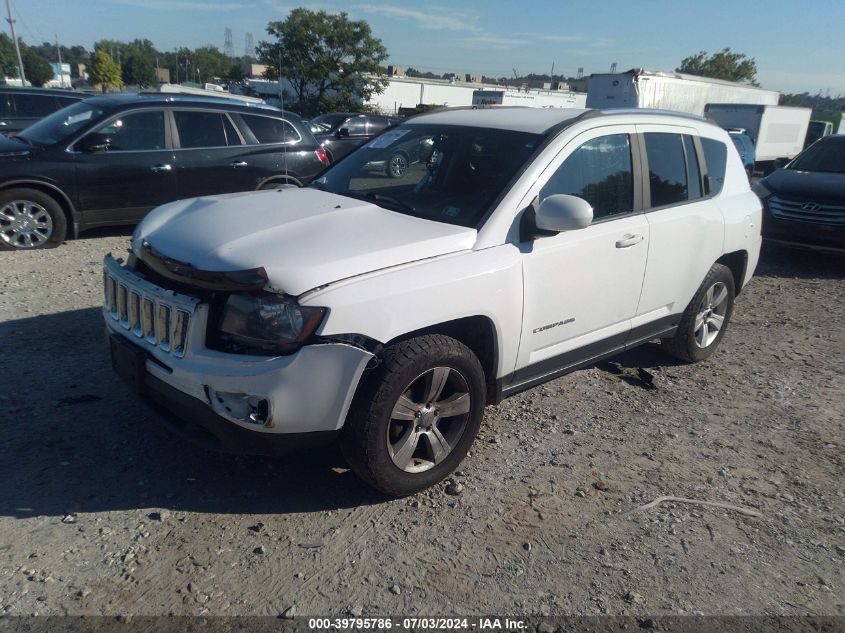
(667, 173)
(34, 105)
(204, 129)
(267, 129)
(600, 172)
(693, 170)
(137, 131)
(715, 159)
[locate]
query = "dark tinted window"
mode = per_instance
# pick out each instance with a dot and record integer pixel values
(827, 155)
(136, 131)
(66, 101)
(715, 157)
(599, 171)
(204, 129)
(5, 108)
(666, 168)
(270, 130)
(377, 124)
(34, 105)
(356, 126)
(693, 170)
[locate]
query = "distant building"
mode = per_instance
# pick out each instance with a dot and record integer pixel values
(473, 78)
(61, 76)
(163, 75)
(82, 71)
(396, 71)
(252, 71)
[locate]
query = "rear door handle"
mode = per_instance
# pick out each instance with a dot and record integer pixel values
(238, 163)
(629, 240)
(160, 168)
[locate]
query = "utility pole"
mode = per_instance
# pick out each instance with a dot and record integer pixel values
(11, 21)
(61, 70)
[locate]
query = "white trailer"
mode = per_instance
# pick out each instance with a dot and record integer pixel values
(777, 131)
(528, 98)
(638, 88)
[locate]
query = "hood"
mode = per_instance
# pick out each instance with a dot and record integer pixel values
(302, 238)
(807, 185)
(10, 146)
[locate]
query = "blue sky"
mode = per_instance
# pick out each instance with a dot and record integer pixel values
(798, 45)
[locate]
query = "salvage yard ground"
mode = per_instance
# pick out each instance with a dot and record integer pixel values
(104, 512)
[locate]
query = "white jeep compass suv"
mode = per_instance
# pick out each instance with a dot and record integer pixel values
(387, 312)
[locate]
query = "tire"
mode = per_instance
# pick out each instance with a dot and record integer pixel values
(30, 219)
(714, 308)
(390, 413)
(397, 165)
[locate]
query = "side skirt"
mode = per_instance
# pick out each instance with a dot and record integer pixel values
(557, 366)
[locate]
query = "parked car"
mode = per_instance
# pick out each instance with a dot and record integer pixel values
(386, 313)
(341, 132)
(21, 107)
(804, 203)
(745, 146)
(109, 160)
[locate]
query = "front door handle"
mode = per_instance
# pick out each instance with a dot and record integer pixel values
(160, 168)
(238, 163)
(629, 240)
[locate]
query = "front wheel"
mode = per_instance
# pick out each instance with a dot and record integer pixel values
(397, 165)
(706, 318)
(30, 219)
(416, 415)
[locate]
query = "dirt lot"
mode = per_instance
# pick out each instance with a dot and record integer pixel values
(103, 512)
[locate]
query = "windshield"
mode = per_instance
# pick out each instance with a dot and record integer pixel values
(827, 155)
(61, 124)
(445, 173)
(325, 123)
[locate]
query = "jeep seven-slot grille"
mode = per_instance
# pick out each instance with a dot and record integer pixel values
(156, 316)
(814, 212)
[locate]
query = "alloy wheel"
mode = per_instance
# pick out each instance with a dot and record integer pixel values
(25, 224)
(398, 165)
(710, 316)
(428, 419)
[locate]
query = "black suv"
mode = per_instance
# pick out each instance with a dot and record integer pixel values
(109, 160)
(21, 107)
(341, 132)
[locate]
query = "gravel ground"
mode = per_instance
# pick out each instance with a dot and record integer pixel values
(103, 512)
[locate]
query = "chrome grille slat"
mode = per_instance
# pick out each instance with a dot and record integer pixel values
(808, 211)
(156, 316)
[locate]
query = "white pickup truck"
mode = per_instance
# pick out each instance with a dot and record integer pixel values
(386, 313)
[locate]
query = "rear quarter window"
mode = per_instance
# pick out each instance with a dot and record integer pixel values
(715, 159)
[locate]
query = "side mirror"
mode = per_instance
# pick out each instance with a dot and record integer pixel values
(562, 212)
(95, 142)
(342, 132)
(780, 163)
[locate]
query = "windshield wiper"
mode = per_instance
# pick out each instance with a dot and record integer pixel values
(384, 197)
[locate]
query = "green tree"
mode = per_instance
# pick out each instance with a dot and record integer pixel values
(8, 59)
(722, 65)
(104, 71)
(139, 61)
(330, 60)
(37, 69)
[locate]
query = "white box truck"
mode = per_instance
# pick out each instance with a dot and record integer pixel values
(528, 98)
(778, 132)
(638, 88)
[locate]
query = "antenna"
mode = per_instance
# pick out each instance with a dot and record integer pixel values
(282, 106)
(613, 67)
(228, 47)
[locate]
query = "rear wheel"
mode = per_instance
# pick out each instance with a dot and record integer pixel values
(416, 415)
(705, 320)
(30, 219)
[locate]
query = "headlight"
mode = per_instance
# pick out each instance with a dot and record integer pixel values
(266, 324)
(761, 190)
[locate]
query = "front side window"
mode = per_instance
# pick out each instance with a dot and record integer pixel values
(326, 123)
(445, 173)
(204, 129)
(268, 129)
(667, 172)
(599, 171)
(138, 131)
(356, 126)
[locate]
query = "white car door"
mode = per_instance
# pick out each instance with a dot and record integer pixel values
(685, 223)
(582, 287)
